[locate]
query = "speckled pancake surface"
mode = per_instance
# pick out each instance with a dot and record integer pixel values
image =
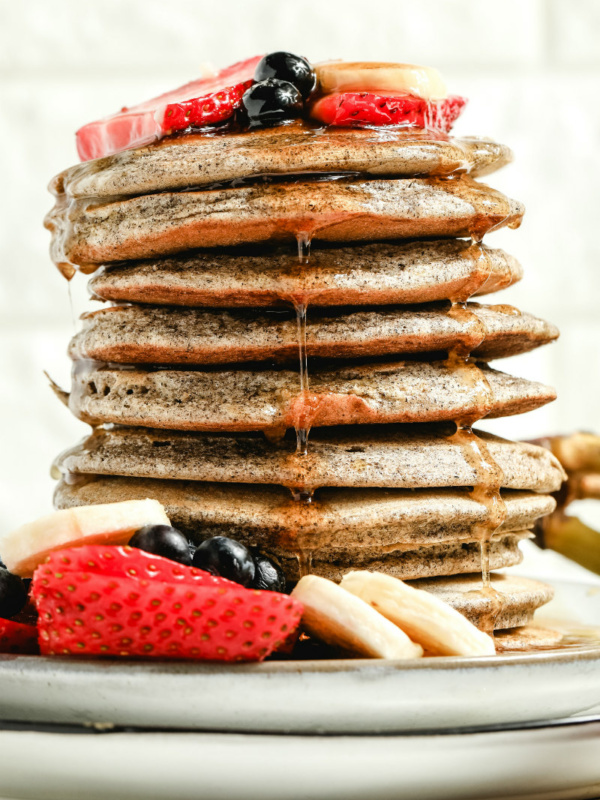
(186, 161)
(407, 457)
(159, 335)
(526, 638)
(87, 233)
(268, 516)
(243, 400)
(408, 562)
(518, 598)
(406, 534)
(366, 274)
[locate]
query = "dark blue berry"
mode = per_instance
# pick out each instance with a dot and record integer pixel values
(227, 558)
(268, 576)
(13, 594)
(163, 540)
(270, 102)
(287, 67)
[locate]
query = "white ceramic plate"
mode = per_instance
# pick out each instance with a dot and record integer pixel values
(551, 763)
(362, 696)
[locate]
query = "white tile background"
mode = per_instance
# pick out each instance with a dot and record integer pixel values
(530, 67)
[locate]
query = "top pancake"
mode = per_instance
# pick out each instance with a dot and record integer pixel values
(201, 160)
(87, 233)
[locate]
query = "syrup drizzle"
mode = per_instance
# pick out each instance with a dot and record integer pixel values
(488, 475)
(301, 306)
(302, 426)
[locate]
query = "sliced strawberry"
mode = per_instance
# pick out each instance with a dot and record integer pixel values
(18, 638)
(203, 110)
(125, 602)
(127, 562)
(357, 109)
(145, 123)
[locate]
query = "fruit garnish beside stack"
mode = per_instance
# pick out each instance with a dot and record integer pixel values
(144, 599)
(277, 88)
(112, 523)
(15, 637)
(376, 615)
(161, 596)
(120, 601)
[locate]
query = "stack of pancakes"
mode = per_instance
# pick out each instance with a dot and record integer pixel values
(314, 402)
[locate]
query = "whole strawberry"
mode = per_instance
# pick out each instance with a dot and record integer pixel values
(120, 601)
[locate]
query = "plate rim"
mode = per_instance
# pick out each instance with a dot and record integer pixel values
(542, 657)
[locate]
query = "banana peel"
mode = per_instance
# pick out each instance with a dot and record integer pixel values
(572, 538)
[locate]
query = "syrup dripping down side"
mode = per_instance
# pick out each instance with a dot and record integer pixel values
(488, 475)
(302, 424)
(301, 306)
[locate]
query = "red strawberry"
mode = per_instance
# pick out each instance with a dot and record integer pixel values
(18, 638)
(357, 109)
(145, 123)
(129, 562)
(204, 110)
(119, 601)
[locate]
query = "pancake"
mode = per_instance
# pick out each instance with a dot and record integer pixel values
(405, 457)
(409, 534)
(519, 598)
(526, 639)
(405, 562)
(268, 516)
(159, 335)
(366, 274)
(178, 163)
(88, 233)
(240, 400)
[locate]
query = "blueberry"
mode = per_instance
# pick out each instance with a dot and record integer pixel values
(227, 558)
(268, 576)
(271, 101)
(13, 594)
(162, 540)
(287, 67)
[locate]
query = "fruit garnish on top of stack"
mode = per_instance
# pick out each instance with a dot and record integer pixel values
(276, 88)
(290, 356)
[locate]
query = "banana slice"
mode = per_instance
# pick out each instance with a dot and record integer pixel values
(426, 619)
(373, 76)
(112, 523)
(337, 617)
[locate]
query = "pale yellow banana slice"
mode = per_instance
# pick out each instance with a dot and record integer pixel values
(426, 619)
(338, 618)
(112, 523)
(373, 76)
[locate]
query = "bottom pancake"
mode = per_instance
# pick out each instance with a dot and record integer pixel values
(526, 639)
(512, 606)
(409, 534)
